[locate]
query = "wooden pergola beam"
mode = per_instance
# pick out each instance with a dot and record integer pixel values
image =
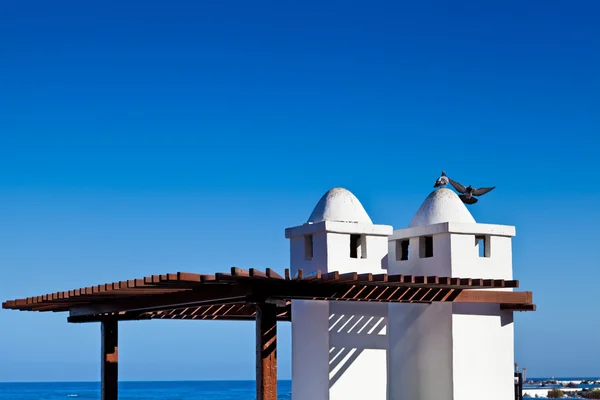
(158, 293)
(497, 297)
(182, 281)
(193, 300)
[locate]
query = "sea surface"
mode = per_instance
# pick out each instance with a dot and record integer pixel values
(186, 390)
(203, 390)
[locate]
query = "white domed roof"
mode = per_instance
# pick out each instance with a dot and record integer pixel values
(339, 204)
(442, 205)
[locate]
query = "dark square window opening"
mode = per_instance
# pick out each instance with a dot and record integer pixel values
(308, 247)
(358, 246)
(426, 246)
(483, 246)
(402, 249)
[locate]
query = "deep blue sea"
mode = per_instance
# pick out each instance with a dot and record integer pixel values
(205, 390)
(196, 390)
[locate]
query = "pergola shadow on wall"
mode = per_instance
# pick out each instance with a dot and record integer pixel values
(264, 297)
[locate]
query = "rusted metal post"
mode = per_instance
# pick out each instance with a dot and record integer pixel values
(266, 352)
(110, 359)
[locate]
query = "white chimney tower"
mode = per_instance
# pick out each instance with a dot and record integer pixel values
(339, 349)
(446, 351)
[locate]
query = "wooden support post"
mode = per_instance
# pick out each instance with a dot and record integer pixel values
(266, 352)
(110, 359)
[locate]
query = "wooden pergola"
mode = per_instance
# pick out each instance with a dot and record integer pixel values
(264, 297)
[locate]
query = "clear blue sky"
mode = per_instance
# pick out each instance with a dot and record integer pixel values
(150, 137)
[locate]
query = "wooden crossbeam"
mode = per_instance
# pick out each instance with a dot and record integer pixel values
(487, 296)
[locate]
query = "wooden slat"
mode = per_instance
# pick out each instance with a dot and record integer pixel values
(371, 294)
(348, 277)
(444, 280)
(400, 294)
(451, 295)
(430, 294)
(240, 272)
(353, 291)
(188, 277)
(316, 275)
(330, 276)
(383, 293)
(208, 278)
(222, 276)
(440, 294)
(255, 273)
(335, 276)
(378, 294)
(272, 274)
(433, 280)
(414, 294)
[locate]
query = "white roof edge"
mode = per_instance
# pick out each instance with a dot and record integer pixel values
(339, 227)
(455, 227)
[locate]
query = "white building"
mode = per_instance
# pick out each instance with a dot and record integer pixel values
(439, 351)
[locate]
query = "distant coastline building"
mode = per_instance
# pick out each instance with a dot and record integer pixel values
(397, 351)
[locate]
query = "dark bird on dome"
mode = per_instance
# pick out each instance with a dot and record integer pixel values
(468, 193)
(442, 180)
